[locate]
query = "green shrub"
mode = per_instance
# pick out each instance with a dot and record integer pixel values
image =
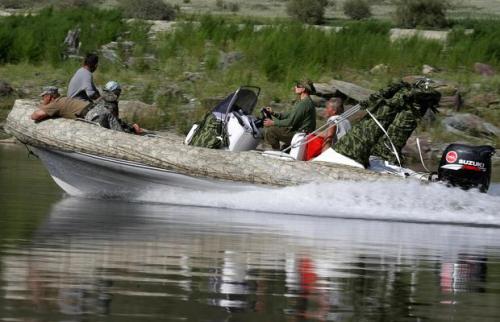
(39, 38)
(60, 4)
(421, 13)
(307, 11)
(148, 9)
(16, 4)
(229, 6)
(481, 45)
(357, 9)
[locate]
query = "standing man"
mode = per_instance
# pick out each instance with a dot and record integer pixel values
(301, 118)
(82, 85)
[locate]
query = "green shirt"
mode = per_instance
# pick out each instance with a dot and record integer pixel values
(302, 117)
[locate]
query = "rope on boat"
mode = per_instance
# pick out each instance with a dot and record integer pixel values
(421, 157)
(390, 141)
(353, 110)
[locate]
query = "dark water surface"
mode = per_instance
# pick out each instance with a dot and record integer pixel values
(70, 259)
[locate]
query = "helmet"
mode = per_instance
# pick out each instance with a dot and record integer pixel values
(112, 86)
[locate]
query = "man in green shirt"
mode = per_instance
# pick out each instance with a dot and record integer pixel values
(301, 118)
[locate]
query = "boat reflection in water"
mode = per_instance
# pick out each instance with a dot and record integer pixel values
(146, 261)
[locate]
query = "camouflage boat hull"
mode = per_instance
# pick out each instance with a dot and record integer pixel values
(163, 156)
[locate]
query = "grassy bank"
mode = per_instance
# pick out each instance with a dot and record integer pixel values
(271, 57)
(39, 38)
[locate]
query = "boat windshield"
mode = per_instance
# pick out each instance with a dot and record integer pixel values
(245, 100)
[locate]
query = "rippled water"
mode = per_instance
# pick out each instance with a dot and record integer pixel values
(70, 259)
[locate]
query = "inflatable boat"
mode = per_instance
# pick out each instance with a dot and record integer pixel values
(85, 159)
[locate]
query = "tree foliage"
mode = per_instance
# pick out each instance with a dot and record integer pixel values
(37, 38)
(148, 9)
(421, 13)
(357, 9)
(307, 11)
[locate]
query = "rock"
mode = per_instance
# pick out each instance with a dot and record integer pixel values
(411, 148)
(192, 77)
(9, 140)
(228, 59)
(446, 89)
(471, 125)
(318, 100)
(426, 70)
(342, 89)
(110, 54)
(379, 69)
(127, 46)
(111, 45)
(475, 87)
(483, 100)
(141, 62)
(138, 111)
(72, 42)
(484, 69)
(454, 102)
(412, 78)
(5, 89)
(159, 26)
(396, 34)
(173, 92)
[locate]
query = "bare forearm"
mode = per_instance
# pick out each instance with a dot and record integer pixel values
(39, 115)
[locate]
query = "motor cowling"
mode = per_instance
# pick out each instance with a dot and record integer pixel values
(466, 166)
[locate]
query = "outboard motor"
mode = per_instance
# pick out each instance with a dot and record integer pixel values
(466, 166)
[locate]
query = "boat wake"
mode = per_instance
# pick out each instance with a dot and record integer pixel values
(393, 201)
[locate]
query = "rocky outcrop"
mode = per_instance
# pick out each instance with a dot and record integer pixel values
(5, 89)
(471, 125)
(340, 88)
(484, 69)
(228, 59)
(397, 33)
(428, 69)
(379, 69)
(137, 111)
(483, 100)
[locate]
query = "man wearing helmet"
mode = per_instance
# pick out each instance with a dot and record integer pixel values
(106, 113)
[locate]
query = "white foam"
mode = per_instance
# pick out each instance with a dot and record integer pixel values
(402, 201)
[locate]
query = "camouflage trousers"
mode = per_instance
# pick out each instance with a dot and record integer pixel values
(103, 116)
(274, 135)
(366, 137)
(398, 109)
(209, 134)
(399, 131)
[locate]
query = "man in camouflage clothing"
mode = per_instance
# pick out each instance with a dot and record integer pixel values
(397, 108)
(106, 113)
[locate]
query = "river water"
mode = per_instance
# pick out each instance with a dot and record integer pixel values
(336, 252)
